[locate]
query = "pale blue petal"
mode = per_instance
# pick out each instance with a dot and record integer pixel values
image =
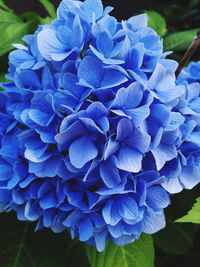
(153, 222)
(129, 160)
(48, 43)
(81, 151)
(157, 198)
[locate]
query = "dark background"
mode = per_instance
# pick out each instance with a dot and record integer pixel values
(123, 8)
(178, 14)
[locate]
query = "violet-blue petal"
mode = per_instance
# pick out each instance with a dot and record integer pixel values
(85, 229)
(109, 172)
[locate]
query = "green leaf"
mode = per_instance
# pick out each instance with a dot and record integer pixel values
(12, 30)
(8, 16)
(20, 246)
(174, 238)
(139, 253)
(179, 41)
(46, 20)
(2, 5)
(156, 22)
(34, 20)
(49, 7)
(181, 203)
(193, 215)
(11, 33)
(72, 259)
(193, 3)
(2, 78)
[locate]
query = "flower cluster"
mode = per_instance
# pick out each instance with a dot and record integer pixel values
(95, 133)
(191, 73)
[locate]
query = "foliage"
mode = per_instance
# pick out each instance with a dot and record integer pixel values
(175, 238)
(178, 242)
(49, 7)
(21, 247)
(137, 254)
(157, 22)
(193, 215)
(179, 41)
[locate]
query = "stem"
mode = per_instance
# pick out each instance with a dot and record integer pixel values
(195, 43)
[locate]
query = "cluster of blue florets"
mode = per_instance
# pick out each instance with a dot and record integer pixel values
(95, 133)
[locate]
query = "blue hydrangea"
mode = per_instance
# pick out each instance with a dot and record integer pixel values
(191, 73)
(95, 132)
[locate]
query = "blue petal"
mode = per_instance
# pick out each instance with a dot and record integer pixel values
(96, 109)
(64, 34)
(109, 172)
(163, 153)
(77, 36)
(13, 182)
(48, 168)
(106, 212)
(124, 129)
(31, 211)
(27, 181)
(136, 56)
(117, 230)
(48, 217)
(75, 130)
(138, 21)
(127, 207)
(92, 7)
(160, 114)
(73, 218)
(157, 198)
(157, 76)
(17, 57)
(138, 115)
(27, 64)
(129, 160)
(6, 171)
(112, 148)
(169, 95)
(60, 56)
(85, 229)
(27, 79)
(190, 176)
(123, 239)
(153, 222)
(112, 61)
(81, 151)
(5, 195)
(48, 43)
(18, 197)
(139, 140)
(90, 69)
(172, 185)
(195, 105)
(139, 76)
(100, 239)
(42, 118)
(112, 78)
(48, 201)
(76, 199)
(104, 43)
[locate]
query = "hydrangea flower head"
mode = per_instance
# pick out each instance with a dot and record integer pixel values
(95, 132)
(191, 73)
